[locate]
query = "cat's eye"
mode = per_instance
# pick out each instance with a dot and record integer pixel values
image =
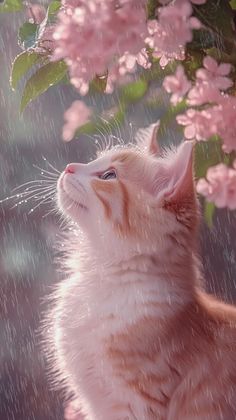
(110, 174)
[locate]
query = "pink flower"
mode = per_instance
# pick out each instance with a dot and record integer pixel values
(97, 36)
(169, 35)
(177, 84)
(218, 119)
(215, 74)
(127, 64)
(210, 80)
(203, 93)
(226, 122)
(77, 115)
(199, 125)
(219, 186)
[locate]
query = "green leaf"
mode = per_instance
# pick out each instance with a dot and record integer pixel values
(27, 35)
(233, 4)
(45, 77)
(22, 63)
(134, 91)
(11, 6)
(209, 211)
(53, 8)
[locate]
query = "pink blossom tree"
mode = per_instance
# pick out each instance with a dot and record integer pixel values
(187, 45)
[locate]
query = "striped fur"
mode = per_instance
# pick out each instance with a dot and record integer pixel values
(134, 335)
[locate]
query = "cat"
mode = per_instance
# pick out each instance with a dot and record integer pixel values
(133, 334)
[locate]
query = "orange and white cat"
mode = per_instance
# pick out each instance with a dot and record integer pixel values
(134, 335)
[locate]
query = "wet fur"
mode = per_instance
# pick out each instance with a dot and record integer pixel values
(133, 334)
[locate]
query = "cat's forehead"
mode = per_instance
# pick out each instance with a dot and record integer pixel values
(114, 157)
(101, 162)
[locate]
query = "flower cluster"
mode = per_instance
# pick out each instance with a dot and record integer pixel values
(219, 186)
(218, 114)
(172, 31)
(96, 36)
(217, 117)
(109, 37)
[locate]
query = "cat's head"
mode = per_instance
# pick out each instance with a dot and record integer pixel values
(132, 195)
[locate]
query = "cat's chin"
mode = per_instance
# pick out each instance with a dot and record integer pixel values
(69, 206)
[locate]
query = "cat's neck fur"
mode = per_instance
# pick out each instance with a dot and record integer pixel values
(168, 274)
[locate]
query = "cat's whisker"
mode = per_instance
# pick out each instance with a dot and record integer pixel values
(45, 171)
(39, 181)
(98, 143)
(33, 190)
(39, 204)
(95, 140)
(28, 195)
(51, 166)
(18, 195)
(131, 136)
(103, 138)
(49, 178)
(54, 210)
(106, 126)
(43, 194)
(106, 135)
(117, 126)
(24, 201)
(63, 222)
(39, 188)
(40, 195)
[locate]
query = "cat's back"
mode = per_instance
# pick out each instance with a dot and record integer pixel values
(221, 318)
(207, 327)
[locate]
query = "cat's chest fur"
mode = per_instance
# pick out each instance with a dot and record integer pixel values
(107, 361)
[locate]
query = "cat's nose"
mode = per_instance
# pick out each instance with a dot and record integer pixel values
(70, 169)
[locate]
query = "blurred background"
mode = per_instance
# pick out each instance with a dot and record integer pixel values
(27, 270)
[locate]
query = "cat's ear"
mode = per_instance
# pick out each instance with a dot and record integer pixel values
(180, 172)
(175, 185)
(146, 139)
(175, 188)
